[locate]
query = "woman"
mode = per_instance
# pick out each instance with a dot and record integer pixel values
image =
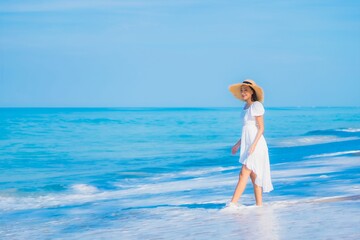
(253, 148)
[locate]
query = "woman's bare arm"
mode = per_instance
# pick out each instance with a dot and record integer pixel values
(260, 126)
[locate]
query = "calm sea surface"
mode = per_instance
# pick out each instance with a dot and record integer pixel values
(167, 173)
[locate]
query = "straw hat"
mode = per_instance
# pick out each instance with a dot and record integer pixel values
(235, 89)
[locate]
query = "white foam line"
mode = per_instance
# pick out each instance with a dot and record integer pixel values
(352, 130)
(290, 175)
(210, 170)
(333, 154)
(315, 200)
(339, 161)
(302, 170)
(304, 141)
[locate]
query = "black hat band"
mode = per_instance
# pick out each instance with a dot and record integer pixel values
(247, 82)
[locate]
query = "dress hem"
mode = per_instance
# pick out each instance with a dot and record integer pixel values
(257, 179)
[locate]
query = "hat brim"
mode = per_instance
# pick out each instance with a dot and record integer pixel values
(235, 90)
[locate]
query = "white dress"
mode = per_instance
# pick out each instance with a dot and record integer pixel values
(258, 161)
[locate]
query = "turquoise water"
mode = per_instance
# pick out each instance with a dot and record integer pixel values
(126, 173)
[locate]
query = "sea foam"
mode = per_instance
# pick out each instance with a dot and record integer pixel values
(310, 140)
(333, 154)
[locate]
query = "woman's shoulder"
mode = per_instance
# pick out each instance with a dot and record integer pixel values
(257, 104)
(257, 108)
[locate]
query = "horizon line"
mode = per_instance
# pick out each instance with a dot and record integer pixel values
(172, 107)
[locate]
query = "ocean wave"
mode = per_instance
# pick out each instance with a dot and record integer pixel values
(196, 173)
(351, 130)
(84, 188)
(166, 183)
(98, 121)
(334, 154)
(84, 193)
(344, 132)
(322, 169)
(311, 140)
(78, 194)
(197, 185)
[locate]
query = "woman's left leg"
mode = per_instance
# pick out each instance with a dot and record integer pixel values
(257, 190)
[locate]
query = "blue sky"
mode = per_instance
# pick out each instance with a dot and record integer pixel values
(178, 53)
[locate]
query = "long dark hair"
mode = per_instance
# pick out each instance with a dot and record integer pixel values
(254, 97)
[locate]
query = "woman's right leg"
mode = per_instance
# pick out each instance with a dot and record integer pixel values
(240, 187)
